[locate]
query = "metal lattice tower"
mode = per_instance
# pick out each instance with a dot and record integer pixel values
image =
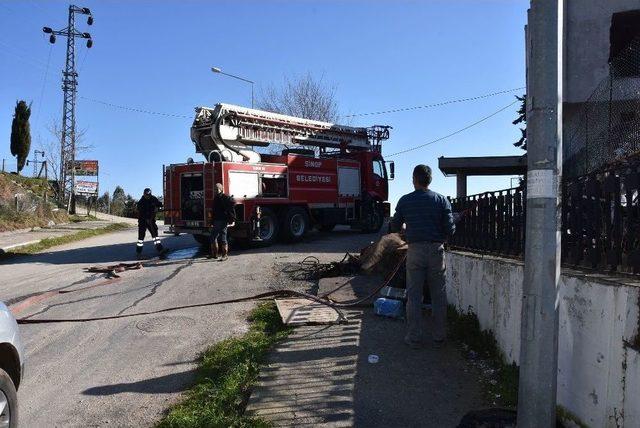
(69, 87)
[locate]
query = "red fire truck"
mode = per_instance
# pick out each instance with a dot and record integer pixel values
(326, 175)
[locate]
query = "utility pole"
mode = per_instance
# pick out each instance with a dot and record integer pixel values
(69, 84)
(539, 333)
(36, 161)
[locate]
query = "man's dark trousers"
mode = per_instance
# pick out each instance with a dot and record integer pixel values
(152, 227)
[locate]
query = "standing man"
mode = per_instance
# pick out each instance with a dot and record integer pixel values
(148, 206)
(429, 222)
(224, 215)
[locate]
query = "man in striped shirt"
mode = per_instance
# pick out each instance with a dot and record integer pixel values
(429, 222)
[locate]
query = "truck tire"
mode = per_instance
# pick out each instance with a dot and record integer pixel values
(295, 224)
(8, 401)
(202, 239)
(374, 221)
(269, 226)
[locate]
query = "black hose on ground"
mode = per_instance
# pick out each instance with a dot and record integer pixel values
(324, 300)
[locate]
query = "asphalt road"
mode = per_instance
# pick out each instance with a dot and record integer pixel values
(127, 372)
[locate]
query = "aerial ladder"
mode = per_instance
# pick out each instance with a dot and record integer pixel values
(229, 133)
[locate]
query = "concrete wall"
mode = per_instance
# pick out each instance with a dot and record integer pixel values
(598, 372)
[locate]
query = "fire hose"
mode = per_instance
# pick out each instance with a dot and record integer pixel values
(323, 300)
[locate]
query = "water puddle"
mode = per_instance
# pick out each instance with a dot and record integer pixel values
(185, 253)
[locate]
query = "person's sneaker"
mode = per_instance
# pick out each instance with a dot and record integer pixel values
(212, 256)
(224, 258)
(413, 344)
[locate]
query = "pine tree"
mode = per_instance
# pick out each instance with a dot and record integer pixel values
(118, 201)
(21, 133)
(522, 118)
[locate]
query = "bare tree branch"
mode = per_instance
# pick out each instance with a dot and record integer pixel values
(302, 96)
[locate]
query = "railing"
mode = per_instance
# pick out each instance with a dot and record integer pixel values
(491, 222)
(600, 220)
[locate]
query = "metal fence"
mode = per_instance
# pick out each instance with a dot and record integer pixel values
(491, 222)
(600, 220)
(606, 128)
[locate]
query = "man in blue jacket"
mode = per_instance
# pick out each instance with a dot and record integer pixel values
(429, 222)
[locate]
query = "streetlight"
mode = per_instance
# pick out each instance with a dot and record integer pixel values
(219, 71)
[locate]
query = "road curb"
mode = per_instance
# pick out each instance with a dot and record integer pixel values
(3, 250)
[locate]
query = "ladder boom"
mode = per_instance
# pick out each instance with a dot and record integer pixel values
(228, 132)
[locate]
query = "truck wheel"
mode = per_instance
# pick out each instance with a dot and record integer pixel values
(295, 224)
(269, 226)
(202, 239)
(374, 221)
(8, 402)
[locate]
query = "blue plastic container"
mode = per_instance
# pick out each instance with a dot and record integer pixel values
(388, 308)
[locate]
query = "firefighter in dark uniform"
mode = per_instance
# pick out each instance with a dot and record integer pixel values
(223, 216)
(148, 206)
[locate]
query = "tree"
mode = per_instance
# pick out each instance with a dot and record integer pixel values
(302, 96)
(522, 118)
(118, 201)
(103, 202)
(51, 148)
(21, 133)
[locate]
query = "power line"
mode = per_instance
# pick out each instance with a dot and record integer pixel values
(137, 110)
(439, 104)
(460, 100)
(44, 83)
(32, 61)
(454, 132)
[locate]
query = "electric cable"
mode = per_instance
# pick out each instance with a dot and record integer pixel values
(44, 83)
(438, 104)
(323, 300)
(134, 109)
(477, 122)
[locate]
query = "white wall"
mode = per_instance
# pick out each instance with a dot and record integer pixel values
(598, 374)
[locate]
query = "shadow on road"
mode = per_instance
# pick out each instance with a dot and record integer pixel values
(169, 384)
(330, 381)
(185, 247)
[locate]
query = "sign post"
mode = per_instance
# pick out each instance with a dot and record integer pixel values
(86, 168)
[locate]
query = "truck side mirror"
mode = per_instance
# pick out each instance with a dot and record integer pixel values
(392, 170)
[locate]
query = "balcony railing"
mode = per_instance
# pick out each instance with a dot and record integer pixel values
(491, 222)
(600, 220)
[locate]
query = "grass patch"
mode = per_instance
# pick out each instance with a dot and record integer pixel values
(66, 239)
(226, 373)
(75, 218)
(465, 327)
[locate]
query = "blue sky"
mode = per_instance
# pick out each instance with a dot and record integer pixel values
(379, 55)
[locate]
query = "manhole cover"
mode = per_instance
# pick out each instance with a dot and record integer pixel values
(164, 324)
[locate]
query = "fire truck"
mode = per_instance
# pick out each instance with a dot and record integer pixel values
(324, 175)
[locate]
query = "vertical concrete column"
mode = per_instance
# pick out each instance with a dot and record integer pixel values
(539, 329)
(461, 185)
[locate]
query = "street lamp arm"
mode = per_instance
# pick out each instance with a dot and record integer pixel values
(236, 77)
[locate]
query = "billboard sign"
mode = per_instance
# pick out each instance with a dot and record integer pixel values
(89, 188)
(87, 168)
